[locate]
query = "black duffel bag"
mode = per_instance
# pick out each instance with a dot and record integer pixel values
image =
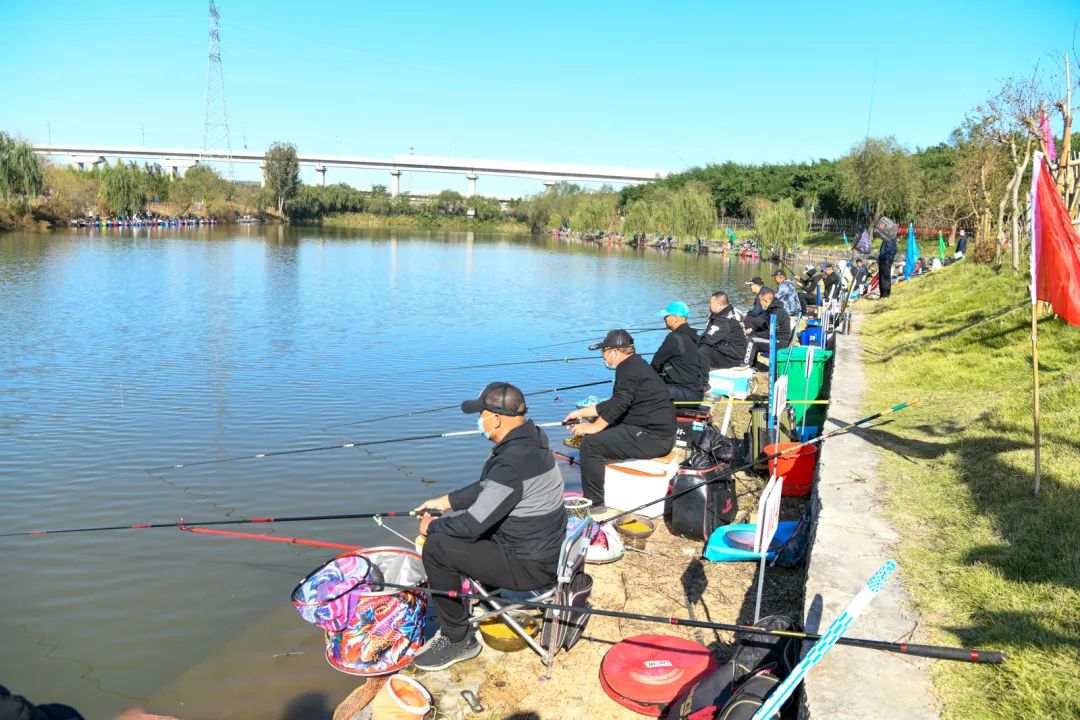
(713, 501)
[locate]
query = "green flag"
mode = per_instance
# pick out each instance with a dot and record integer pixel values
(846, 245)
(940, 247)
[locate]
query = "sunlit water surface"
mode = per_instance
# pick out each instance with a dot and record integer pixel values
(125, 350)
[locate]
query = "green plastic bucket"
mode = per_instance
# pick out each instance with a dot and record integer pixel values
(804, 383)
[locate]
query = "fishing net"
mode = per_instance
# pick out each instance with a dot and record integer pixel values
(327, 598)
(577, 507)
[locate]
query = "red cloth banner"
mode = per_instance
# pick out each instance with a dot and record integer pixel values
(1055, 252)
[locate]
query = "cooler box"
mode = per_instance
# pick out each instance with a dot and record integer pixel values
(802, 385)
(630, 483)
(689, 426)
(731, 382)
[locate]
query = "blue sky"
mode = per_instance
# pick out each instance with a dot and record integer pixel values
(659, 85)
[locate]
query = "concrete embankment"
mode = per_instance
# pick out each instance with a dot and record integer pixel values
(852, 539)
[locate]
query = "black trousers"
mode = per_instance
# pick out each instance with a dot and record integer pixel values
(448, 559)
(678, 392)
(618, 442)
(885, 278)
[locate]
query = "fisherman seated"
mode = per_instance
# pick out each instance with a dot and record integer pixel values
(636, 422)
(677, 360)
(757, 327)
(505, 530)
(723, 343)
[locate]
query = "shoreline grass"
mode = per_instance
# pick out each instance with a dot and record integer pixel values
(420, 222)
(987, 563)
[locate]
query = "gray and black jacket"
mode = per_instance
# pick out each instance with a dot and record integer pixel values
(517, 502)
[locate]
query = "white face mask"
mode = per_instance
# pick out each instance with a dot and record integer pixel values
(608, 365)
(480, 425)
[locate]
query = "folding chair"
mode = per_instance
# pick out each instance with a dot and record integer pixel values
(561, 628)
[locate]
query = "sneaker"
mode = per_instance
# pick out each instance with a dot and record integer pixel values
(442, 652)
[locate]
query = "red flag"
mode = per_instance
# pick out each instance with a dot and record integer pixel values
(1055, 250)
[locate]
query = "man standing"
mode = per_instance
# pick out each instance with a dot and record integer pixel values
(636, 422)
(886, 229)
(723, 343)
(505, 530)
(677, 360)
(787, 294)
(961, 244)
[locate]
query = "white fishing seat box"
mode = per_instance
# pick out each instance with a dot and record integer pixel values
(630, 483)
(731, 382)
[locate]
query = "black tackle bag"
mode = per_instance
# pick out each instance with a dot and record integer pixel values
(713, 501)
(740, 686)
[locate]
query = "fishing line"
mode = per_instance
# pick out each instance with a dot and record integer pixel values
(321, 448)
(458, 405)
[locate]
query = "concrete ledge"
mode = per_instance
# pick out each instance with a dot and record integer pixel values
(851, 541)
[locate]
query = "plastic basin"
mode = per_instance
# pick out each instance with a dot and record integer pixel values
(796, 467)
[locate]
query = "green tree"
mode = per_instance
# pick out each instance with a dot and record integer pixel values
(450, 202)
(122, 191)
(781, 226)
(879, 174)
(595, 212)
(486, 208)
(282, 172)
(695, 212)
(201, 188)
(378, 201)
(638, 218)
(71, 192)
(22, 173)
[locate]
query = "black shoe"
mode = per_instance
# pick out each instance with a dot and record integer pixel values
(597, 510)
(442, 652)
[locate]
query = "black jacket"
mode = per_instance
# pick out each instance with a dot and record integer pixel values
(723, 342)
(760, 324)
(887, 251)
(517, 502)
(831, 290)
(639, 398)
(677, 360)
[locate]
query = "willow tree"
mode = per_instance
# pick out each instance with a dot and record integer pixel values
(638, 218)
(22, 173)
(695, 212)
(595, 212)
(780, 225)
(879, 176)
(122, 190)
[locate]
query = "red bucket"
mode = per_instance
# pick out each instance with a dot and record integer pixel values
(796, 467)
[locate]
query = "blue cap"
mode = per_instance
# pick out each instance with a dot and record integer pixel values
(675, 308)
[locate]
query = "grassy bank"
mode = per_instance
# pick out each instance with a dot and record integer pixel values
(987, 563)
(421, 222)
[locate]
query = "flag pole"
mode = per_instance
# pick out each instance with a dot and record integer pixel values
(1036, 168)
(1035, 384)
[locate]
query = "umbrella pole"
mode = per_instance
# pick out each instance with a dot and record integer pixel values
(1035, 386)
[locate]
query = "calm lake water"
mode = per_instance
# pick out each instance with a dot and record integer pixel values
(125, 350)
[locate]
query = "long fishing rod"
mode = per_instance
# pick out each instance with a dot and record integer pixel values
(972, 655)
(519, 362)
(339, 446)
(636, 331)
(747, 466)
(708, 401)
(182, 524)
(523, 362)
(987, 657)
(457, 405)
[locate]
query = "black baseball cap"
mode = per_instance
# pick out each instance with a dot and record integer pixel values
(614, 339)
(755, 281)
(498, 397)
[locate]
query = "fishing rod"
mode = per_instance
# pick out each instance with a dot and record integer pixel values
(250, 521)
(749, 402)
(754, 463)
(340, 446)
(269, 538)
(638, 331)
(972, 655)
(519, 362)
(457, 405)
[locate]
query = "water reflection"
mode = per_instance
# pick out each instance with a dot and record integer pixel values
(123, 350)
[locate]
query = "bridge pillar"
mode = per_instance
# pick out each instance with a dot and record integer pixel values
(395, 183)
(472, 185)
(175, 171)
(321, 170)
(262, 175)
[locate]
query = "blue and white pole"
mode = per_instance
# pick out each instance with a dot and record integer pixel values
(836, 630)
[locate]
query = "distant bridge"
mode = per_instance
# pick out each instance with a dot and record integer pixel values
(548, 173)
